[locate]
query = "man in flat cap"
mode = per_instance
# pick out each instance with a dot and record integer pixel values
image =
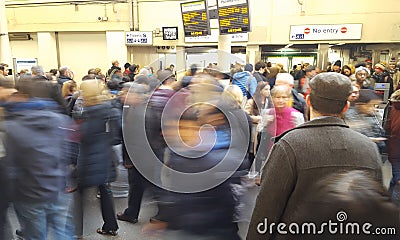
(307, 154)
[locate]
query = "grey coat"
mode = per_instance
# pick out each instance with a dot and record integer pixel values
(302, 157)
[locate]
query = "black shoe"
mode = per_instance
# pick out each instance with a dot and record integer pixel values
(124, 217)
(19, 234)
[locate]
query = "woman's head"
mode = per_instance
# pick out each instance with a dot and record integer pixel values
(346, 70)
(263, 89)
(280, 96)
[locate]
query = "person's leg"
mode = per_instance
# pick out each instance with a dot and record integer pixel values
(58, 217)
(3, 219)
(107, 209)
(136, 190)
(33, 220)
(78, 211)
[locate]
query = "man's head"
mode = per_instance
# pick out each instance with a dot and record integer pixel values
(260, 67)
(165, 77)
(392, 64)
(115, 63)
(329, 93)
(310, 71)
(66, 71)
(37, 70)
(355, 94)
(361, 74)
(3, 69)
(337, 66)
(248, 67)
(367, 100)
(284, 79)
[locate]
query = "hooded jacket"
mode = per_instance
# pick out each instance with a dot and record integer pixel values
(35, 142)
(245, 80)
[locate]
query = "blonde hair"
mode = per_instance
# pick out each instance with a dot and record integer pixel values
(280, 89)
(93, 92)
(235, 92)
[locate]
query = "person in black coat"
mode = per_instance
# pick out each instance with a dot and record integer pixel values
(95, 167)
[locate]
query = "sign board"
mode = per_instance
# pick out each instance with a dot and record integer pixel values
(24, 63)
(233, 16)
(326, 32)
(195, 18)
(213, 37)
(170, 33)
(139, 38)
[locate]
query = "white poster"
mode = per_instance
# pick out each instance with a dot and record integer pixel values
(326, 32)
(139, 38)
(24, 63)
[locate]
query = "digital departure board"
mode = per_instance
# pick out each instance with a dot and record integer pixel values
(233, 16)
(195, 18)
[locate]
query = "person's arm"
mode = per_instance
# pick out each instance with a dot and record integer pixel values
(249, 109)
(277, 183)
(298, 118)
(253, 86)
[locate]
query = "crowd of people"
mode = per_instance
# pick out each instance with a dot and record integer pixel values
(194, 144)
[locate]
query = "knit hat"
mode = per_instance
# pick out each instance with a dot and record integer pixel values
(338, 63)
(362, 69)
(395, 96)
(331, 86)
(380, 66)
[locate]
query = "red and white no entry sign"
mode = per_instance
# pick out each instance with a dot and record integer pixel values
(307, 31)
(343, 29)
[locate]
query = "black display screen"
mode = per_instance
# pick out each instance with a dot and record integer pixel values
(233, 16)
(195, 18)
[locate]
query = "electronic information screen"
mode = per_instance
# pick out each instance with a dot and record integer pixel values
(195, 18)
(233, 16)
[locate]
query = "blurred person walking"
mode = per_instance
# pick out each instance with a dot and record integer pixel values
(95, 167)
(37, 166)
(393, 129)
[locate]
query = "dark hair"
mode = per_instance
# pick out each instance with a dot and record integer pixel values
(127, 65)
(88, 77)
(53, 71)
(113, 85)
(327, 106)
(92, 71)
(193, 69)
(259, 65)
(258, 98)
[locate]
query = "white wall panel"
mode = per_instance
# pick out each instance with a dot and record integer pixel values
(82, 51)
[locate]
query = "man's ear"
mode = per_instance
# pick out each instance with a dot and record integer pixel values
(308, 101)
(346, 107)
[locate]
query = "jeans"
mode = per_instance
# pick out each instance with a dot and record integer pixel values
(39, 219)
